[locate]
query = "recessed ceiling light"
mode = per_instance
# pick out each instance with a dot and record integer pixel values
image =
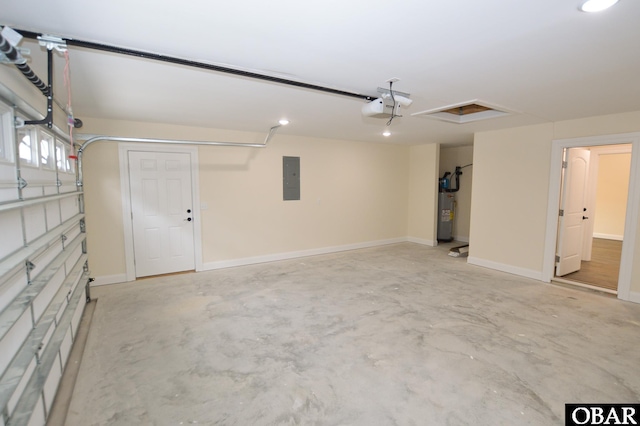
(596, 5)
(386, 133)
(283, 122)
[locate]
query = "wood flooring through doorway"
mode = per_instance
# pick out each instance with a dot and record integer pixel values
(603, 269)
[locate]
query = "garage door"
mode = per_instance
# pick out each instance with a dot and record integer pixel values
(43, 263)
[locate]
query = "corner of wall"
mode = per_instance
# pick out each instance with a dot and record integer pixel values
(423, 192)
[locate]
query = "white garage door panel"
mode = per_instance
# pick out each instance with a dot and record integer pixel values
(73, 232)
(73, 258)
(43, 260)
(63, 306)
(77, 316)
(51, 385)
(37, 418)
(35, 222)
(32, 192)
(71, 187)
(8, 194)
(8, 177)
(21, 386)
(69, 207)
(68, 182)
(45, 296)
(46, 339)
(12, 287)
(12, 341)
(53, 214)
(65, 347)
(43, 271)
(11, 231)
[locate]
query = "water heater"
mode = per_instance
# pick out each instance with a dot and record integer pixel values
(446, 212)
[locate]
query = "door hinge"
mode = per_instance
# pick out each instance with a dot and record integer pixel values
(557, 259)
(564, 164)
(561, 213)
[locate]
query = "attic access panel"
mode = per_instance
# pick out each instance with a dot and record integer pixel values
(465, 112)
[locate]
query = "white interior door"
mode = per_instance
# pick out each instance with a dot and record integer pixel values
(573, 205)
(162, 212)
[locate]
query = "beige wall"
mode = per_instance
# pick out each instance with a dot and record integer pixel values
(22, 92)
(449, 159)
(509, 200)
(423, 193)
(611, 194)
(352, 192)
(510, 190)
(103, 210)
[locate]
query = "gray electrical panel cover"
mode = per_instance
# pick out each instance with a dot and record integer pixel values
(291, 178)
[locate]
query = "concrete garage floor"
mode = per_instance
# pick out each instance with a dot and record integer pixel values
(394, 335)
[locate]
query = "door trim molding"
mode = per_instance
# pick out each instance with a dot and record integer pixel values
(123, 151)
(633, 204)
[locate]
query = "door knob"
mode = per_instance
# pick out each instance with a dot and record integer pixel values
(188, 219)
(188, 210)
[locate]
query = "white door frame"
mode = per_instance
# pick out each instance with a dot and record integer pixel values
(633, 206)
(125, 189)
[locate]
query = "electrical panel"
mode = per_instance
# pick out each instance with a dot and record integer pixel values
(291, 178)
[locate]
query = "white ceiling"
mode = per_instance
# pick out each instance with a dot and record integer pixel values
(542, 58)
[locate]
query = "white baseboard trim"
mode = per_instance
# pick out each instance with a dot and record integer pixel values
(109, 279)
(461, 239)
(634, 297)
(296, 254)
(523, 272)
(429, 243)
(608, 236)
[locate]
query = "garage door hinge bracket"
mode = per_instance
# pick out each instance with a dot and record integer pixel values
(22, 184)
(83, 226)
(30, 265)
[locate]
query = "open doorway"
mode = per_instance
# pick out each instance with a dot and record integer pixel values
(632, 209)
(593, 205)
